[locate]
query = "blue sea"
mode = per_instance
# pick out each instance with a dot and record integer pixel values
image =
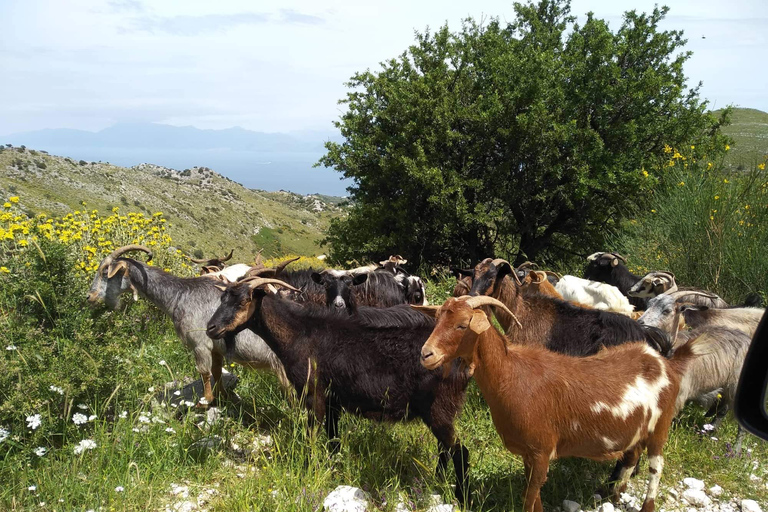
(263, 170)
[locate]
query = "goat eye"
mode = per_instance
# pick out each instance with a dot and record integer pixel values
(461, 327)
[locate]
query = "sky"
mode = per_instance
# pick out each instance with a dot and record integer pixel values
(281, 66)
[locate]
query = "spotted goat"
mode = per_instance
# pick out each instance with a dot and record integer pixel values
(609, 405)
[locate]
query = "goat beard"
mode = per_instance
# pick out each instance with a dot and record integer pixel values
(467, 368)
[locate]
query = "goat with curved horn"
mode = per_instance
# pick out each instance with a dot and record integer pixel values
(484, 300)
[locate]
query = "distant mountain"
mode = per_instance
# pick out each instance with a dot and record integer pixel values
(271, 161)
(196, 200)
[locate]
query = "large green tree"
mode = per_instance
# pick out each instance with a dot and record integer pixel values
(524, 140)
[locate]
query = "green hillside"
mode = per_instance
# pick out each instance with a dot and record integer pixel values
(210, 213)
(749, 129)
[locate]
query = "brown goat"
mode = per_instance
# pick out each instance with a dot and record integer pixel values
(535, 282)
(546, 405)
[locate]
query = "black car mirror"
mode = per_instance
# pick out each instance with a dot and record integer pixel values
(750, 404)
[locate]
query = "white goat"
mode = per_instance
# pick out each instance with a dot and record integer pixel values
(594, 294)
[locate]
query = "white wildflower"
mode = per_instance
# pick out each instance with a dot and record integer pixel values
(82, 407)
(4, 433)
(85, 444)
(144, 418)
(162, 362)
(157, 419)
(188, 403)
(177, 392)
(203, 401)
(79, 419)
(40, 451)
(713, 438)
(123, 415)
(151, 389)
(170, 430)
(42, 504)
(34, 421)
(10, 347)
(56, 389)
(92, 417)
(119, 488)
(32, 488)
(708, 427)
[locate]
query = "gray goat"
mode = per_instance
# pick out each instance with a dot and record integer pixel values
(715, 372)
(663, 311)
(190, 302)
(743, 319)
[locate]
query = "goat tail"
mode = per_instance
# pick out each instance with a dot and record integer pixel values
(696, 346)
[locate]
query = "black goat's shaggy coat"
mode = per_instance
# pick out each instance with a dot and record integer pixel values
(367, 364)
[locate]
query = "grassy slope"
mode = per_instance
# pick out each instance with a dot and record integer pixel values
(204, 202)
(749, 129)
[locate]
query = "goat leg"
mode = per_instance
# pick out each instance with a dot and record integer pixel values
(536, 468)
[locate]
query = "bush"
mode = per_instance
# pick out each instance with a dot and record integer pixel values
(707, 225)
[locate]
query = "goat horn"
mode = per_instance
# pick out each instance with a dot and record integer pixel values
(279, 268)
(498, 261)
(619, 256)
(122, 250)
(484, 300)
(594, 256)
(229, 257)
(684, 293)
(551, 273)
(527, 264)
(255, 282)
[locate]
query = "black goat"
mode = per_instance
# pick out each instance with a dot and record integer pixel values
(611, 268)
(558, 325)
(367, 364)
(379, 288)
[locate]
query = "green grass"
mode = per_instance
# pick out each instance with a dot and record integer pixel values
(749, 130)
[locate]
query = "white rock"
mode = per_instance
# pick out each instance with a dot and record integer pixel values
(180, 490)
(750, 506)
(605, 507)
(715, 491)
(754, 478)
(694, 483)
(402, 507)
(696, 497)
(184, 506)
(571, 506)
(345, 498)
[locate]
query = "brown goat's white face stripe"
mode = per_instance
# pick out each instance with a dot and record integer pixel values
(643, 393)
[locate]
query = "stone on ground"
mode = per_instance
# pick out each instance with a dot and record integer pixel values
(345, 498)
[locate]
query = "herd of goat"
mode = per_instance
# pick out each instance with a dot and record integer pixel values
(595, 367)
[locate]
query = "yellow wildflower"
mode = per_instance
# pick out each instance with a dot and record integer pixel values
(645, 173)
(14, 199)
(115, 209)
(693, 147)
(726, 181)
(6, 205)
(681, 184)
(5, 270)
(717, 197)
(727, 147)
(761, 166)
(709, 165)
(667, 149)
(23, 243)
(746, 207)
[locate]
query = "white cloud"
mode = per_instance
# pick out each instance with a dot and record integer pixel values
(88, 64)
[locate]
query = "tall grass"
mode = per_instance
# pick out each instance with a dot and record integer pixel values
(706, 224)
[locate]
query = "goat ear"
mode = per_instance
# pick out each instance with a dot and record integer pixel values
(359, 279)
(115, 268)
(479, 323)
(537, 276)
(316, 277)
(430, 311)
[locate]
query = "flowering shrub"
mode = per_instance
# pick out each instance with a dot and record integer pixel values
(57, 351)
(706, 223)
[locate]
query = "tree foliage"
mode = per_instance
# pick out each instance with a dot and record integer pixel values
(524, 140)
